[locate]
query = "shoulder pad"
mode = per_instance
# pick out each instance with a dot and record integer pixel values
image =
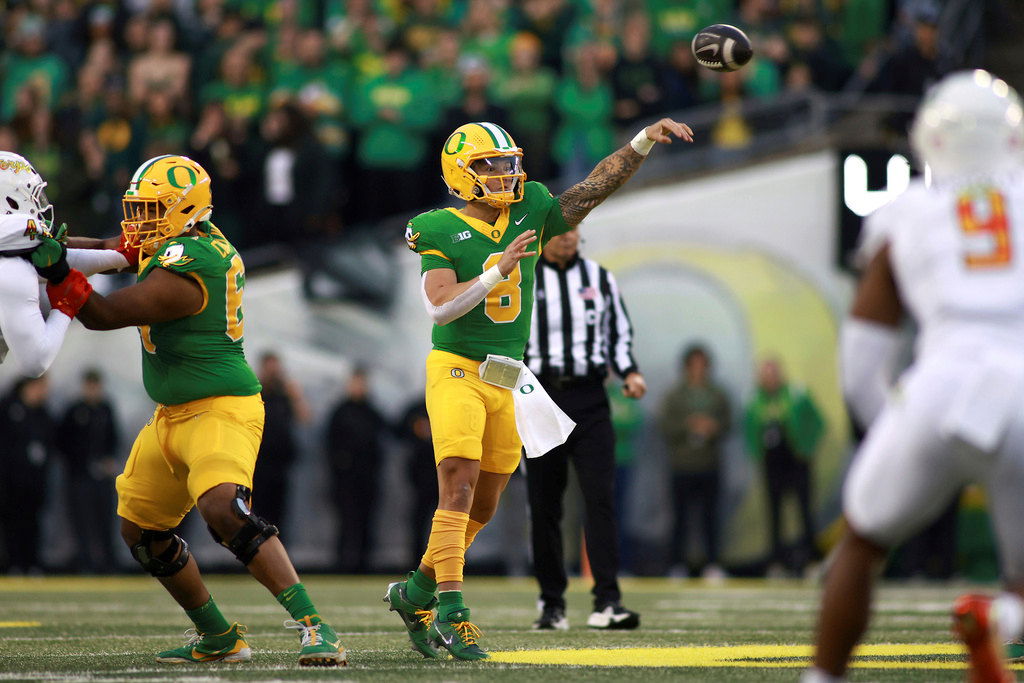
(18, 232)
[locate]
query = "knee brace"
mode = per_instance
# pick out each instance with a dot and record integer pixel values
(254, 532)
(170, 561)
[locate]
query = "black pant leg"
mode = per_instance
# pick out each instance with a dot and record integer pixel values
(681, 500)
(801, 481)
(546, 478)
(711, 491)
(775, 474)
(593, 456)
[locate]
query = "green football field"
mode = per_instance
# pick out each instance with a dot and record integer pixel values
(107, 629)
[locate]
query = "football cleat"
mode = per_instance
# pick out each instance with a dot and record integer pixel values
(458, 635)
(202, 648)
(321, 646)
(551, 619)
(417, 619)
(974, 626)
(613, 617)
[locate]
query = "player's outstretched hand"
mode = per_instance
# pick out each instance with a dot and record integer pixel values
(131, 254)
(516, 251)
(70, 294)
(663, 130)
(50, 258)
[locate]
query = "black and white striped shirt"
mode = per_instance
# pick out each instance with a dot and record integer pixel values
(580, 325)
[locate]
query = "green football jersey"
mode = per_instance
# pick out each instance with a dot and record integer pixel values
(199, 356)
(447, 238)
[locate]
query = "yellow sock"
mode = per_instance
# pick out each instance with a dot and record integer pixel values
(446, 549)
(472, 529)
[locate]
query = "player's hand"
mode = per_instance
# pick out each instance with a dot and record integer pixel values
(516, 251)
(131, 254)
(50, 258)
(70, 294)
(663, 130)
(634, 385)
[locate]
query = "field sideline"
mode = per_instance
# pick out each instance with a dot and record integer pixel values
(107, 629)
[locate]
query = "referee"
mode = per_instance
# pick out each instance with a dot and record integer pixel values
(580, 328)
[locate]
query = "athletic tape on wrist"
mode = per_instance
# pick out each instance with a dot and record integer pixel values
(642, 144)
(491, 277)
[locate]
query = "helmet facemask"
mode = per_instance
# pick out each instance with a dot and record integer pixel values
(505, 170)
(167, 197)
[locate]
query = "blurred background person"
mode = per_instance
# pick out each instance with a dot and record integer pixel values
(355, 455)
(87, 439)
(25, 454)
(286, 409)
(782, 427)
(694, 420)
(414, 431)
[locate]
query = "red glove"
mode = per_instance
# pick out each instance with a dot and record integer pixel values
(71, 294)
(131, 254)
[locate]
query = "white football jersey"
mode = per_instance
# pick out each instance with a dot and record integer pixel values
(957, 251)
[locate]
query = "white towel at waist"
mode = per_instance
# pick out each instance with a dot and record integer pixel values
(541, 424)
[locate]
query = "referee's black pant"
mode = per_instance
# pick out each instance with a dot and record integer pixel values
(591, 448)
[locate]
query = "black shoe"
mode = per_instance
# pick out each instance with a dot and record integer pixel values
(551, 619)
(613, 616)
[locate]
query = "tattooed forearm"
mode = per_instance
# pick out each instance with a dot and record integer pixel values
(609, 175)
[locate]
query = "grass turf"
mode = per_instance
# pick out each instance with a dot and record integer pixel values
(108, 629)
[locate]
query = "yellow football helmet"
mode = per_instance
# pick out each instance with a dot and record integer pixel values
(167, 197)
(478, 153)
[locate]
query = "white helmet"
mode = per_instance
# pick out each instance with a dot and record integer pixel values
(970, 123)
(22, 189)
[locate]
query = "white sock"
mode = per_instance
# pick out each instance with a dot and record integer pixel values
(1008, 610)
(816, 675)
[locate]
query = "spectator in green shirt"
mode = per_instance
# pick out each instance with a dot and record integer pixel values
(486, 35)
(395, 114)
(237, 88)
(584, 101)
(441, 68)
(636, 77)
(527, 92)
(320, 87)
(30, 66)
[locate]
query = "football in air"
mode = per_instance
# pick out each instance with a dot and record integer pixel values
(721, 47)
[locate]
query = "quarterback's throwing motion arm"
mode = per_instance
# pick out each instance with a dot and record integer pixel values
(613, 171)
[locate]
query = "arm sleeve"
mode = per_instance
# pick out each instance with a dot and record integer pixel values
(92, 261)
(33, 341)
(619, 329)
(868, 353)
(457, 307)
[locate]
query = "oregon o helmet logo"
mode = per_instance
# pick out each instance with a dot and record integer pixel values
(172, 177)
(458, 372)
(526, 389)
(459, 139)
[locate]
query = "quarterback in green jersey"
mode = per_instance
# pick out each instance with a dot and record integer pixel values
(477, 269)
(200, 447)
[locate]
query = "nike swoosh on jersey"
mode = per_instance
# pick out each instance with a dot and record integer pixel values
(521, 219)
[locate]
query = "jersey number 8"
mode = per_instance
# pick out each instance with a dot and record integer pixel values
(505, 302)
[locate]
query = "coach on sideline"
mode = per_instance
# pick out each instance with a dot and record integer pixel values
(580, 328)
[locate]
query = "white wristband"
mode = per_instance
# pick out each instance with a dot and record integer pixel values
(642, 144)
(491, 277)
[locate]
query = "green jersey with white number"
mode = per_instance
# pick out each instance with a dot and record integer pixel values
(201, 355)
(447, 238)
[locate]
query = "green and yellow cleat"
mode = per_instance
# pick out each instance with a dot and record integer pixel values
(458, 636)
(321, 646)
(417, 619)
(201, 648)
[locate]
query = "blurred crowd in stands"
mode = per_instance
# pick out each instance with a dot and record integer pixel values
(318, 116)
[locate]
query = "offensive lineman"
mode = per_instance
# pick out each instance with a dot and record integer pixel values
(950, 255)
(477, 285)
(25, 215)
(200, 447)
